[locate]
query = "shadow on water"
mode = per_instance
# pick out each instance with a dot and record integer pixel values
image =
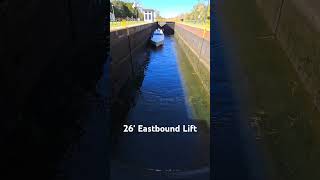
(160, 98)
(126, 98)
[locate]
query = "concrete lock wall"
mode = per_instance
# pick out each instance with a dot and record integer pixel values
(48, 47)
(296, 24)
(123, 44)
(54, 52)
(48, 36)
(168, 28)
(3, 46)
(197, 50)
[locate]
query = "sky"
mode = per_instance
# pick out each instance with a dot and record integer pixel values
(169, 8)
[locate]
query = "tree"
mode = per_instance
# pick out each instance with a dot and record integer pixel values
(123, 9)
(199, 12)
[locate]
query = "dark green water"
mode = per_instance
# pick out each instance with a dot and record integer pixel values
(170, 95)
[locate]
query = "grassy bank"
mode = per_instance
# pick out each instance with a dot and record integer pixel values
(200, 25)
(124, 24)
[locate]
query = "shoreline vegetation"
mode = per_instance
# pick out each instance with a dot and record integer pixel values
(205, 26)
(127, 15)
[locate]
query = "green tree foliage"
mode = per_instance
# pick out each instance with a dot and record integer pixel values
(123, 9)
(199, 12)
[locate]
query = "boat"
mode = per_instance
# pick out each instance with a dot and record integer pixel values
(157, 37)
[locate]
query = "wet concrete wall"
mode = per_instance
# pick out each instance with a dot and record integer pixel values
(46, 35)
(3, 51)
(123, 45)
(197, 48)
(296, 24)
(269, 90)
(52, 55)
(168, 28)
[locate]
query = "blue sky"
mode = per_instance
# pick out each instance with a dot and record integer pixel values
(169, 8)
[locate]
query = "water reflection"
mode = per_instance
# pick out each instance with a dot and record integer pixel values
(162, 99)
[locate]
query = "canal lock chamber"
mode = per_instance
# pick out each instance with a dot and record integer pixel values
(157, 86)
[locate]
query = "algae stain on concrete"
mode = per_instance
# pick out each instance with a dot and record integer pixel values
(198, 97)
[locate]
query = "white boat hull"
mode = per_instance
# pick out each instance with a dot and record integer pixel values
(157, 38)
(157, 43)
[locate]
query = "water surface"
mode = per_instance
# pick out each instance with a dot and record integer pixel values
(165, 99)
